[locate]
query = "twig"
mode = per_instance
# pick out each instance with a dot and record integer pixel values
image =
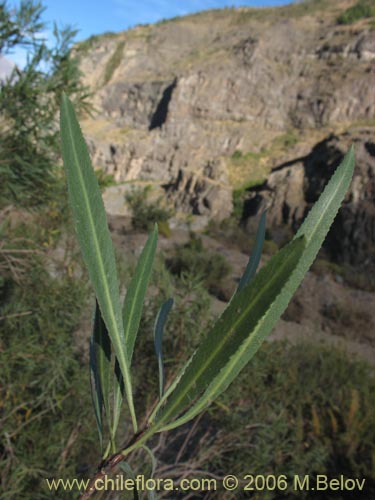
(71, 440)
(16, 315)
(188, 436)
(106, 466)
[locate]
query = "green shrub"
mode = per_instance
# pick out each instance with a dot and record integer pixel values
(43, 390)
(321, 426)
(211, 267)
(146, 213)
(29, 104)
(104, 180)
(361, 10)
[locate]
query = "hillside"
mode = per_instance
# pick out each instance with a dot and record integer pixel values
(261, 103)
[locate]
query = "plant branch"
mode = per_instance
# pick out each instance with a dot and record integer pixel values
(107, 465)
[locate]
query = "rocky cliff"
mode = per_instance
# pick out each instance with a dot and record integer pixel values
(263, 101)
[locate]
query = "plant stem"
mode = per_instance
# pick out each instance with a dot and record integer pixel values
(107, 465)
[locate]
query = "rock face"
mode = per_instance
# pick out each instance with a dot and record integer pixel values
(177, 99)
(294, 186)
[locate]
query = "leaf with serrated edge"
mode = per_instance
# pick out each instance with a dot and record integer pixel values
(232, 330)
(93, 236)
(314, 229)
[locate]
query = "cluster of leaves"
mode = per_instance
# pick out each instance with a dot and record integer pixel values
(223, 351)
(29, 104)
(361, 10)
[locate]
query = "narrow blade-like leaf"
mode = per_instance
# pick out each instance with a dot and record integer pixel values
(118, 394)
(93, 235)
(231, 332)
(96, 393)
(102, 352)
(132, 312)
(254, 260)
(313, 231)
(161, 319)
(133, 303)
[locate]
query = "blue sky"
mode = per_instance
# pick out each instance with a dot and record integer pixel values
(97, 16)
(92, 17)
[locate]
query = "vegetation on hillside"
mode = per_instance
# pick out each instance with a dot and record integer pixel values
(361, 10)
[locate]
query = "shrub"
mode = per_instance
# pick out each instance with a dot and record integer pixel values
(29, 104)
(192, 258)
(321, 426)
(104, 180)
(43, 396)
(361, 10)
(146, 213)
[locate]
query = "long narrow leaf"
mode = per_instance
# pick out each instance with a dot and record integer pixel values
(118, 394)
(254, 260)
(132, 311)
(313, 230)
(101, 349)
(93, 236)
(161, 319)
(133, 303)
(231, 332)
(96, 393)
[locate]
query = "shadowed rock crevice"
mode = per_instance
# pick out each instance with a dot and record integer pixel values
(161, 112)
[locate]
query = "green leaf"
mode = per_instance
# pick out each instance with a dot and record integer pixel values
(214, 372)
(100, 358)
(96, 393)
(161, 319)
(118, 394)
(132, 311)
(254, 260)
(133, 303)
(93, 236)
(235, 336)
(323, 213)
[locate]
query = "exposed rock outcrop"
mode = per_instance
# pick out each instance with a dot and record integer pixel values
(293, 187)
(186, 94)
